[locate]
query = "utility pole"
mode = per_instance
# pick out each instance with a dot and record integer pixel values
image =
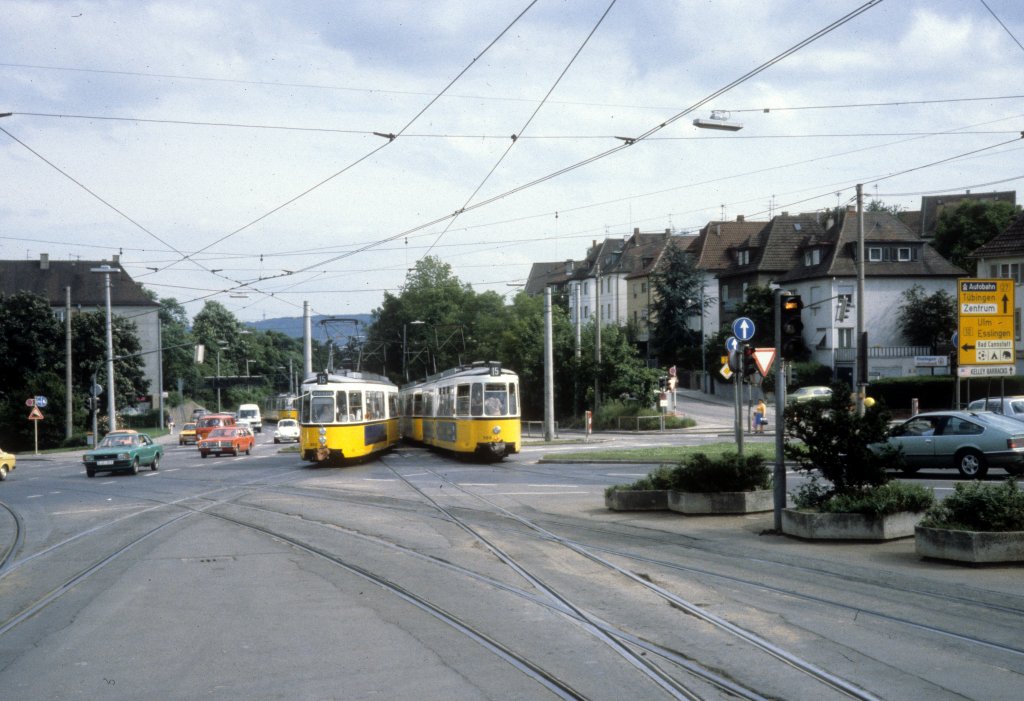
(68, 427)
(597, 338)
(549, 373)
(106, 270)
(861, 376)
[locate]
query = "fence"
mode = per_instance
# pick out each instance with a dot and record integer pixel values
(638, 420)
(528, 427)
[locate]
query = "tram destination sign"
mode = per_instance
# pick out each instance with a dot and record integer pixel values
(985, 328)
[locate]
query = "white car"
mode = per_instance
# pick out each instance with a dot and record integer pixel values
(287, 431)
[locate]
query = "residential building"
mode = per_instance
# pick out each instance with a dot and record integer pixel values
(825, 275)
(933, 205)
(52, 280)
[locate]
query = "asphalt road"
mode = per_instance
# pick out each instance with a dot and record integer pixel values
(418, 577)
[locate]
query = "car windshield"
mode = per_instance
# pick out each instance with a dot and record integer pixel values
(286, 423)
(221, 433)
(117, 441)
(188, 427)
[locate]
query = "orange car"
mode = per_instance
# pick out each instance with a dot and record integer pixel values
(211, 421)
(232, 440)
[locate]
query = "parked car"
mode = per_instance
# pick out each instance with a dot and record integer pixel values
(123, 450)
(1012, 407)
(232, 440)
(287, 431)
(970, 441)
(809, 394)
(7, 463)
(187, 435)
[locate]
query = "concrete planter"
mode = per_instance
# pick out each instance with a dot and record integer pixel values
(812, 525)
(637, 500)
(969, 546)
(721, 502)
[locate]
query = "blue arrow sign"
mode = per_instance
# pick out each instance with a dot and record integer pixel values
(743, 328)
(41, 401)
(732, 343)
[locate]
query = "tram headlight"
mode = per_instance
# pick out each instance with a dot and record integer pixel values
(496, 430)
(323, 436)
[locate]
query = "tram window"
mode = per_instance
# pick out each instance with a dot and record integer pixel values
(374, 406)
(355, 406)
(417, 404)
(513, 404)
(342, 408)
(393, 404)
(323, 410)
(304, 408)
(462, 400)
(496, 398)
(428, 404)
(445, 405)
(477, 399)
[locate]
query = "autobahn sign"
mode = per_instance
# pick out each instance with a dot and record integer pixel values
(985, 329)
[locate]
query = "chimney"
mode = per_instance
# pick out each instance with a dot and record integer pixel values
(44, 261)
(636, 230)
(116, 259)
(740, 217)
(568, 267)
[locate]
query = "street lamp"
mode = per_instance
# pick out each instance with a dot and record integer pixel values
(719, 120)
(405, 346)
(106, 270)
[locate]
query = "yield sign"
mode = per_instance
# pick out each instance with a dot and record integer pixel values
(35, 414)
(764, 357)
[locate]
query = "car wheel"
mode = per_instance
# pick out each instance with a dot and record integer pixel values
(155, 464)
(203, 455)
(908, 470)
(135, 466)
(971, 464)
(3, 472)
(89, 472)
(276, 441)
(248, 451)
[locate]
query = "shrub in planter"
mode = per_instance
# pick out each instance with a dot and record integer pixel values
(659, 479)
(838, 449)
(882, 500)
(979, 506)
(731, 472)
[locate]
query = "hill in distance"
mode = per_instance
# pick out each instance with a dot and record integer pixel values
(324, 328)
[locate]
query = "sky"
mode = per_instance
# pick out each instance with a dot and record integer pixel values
(265, 154)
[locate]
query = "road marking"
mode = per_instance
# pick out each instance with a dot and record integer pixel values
(34, 496)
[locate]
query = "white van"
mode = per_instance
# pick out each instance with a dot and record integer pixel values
(251, 412)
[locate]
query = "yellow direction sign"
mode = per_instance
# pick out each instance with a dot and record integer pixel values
(985, 335)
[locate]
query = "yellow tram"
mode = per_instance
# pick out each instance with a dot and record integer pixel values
(467, 410)
(346, 415)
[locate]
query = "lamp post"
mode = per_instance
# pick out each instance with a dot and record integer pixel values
(106, 270)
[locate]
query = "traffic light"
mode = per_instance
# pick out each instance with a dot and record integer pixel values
(791, 325)
(749, 365)
(90, 403)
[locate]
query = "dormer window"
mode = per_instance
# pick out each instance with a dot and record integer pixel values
(743, 257)
(875, 254)
(812, 256)
(903, 253)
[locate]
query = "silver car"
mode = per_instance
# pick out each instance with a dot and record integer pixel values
(1012, 407)
(970, 441)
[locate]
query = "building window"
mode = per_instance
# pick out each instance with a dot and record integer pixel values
(1009, 270)
(643, 287)
(743, 257)
(846, 338)
(875, 254)
(812, 257)
(903, 254)
(586, 289)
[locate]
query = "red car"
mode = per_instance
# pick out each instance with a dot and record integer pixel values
(232, 440)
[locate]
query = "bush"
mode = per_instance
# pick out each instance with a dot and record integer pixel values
(731, 472)
(657, 479)
(831, 441)
(879, 500)
(980, 506)
(608, 415)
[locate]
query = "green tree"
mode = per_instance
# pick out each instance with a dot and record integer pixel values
(676, 306)
(962, 229)
(880, 206)
(89, 353)
(31, 364)
(927, 320)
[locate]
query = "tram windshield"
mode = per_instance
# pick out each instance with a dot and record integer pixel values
(499, 399)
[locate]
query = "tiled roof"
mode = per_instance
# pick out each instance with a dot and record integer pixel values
(839, 248)
(717, 238)
(50, 279)
(932, 206)
(1006, 243)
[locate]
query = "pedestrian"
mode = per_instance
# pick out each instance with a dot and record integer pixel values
(170, 425)
(760, 416)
